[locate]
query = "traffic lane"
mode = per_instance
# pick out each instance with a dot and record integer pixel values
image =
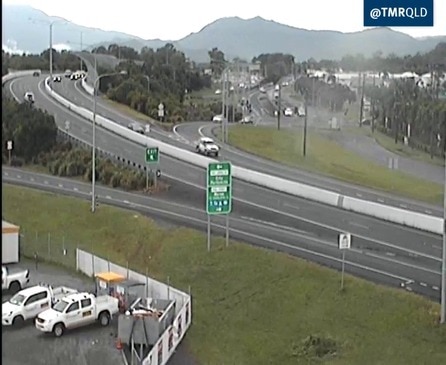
(249, 161)
(92, 344)
(196, 176)
(366, 264)
(135, 200)
(278, 169)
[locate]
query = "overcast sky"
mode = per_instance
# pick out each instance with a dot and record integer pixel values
(174, 19)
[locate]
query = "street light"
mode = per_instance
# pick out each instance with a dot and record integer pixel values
(93, 156)
(224, 124)
(51, 41)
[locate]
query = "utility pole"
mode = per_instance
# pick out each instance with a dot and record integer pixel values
(443, 266)
(223, 101)
(51, 53)
(81, 52)
(305, 126)
(361, 108)
(312, 92)
(279, 107)
(373, 106)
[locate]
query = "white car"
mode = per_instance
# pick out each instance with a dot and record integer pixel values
(14, 280)
(288, 112)
(77, 310)
(30, 302)
(217, 118)
(207, 147)
(147, 129)
(217, 92)
(247, 120)
(68, 73)
(301, 112)
(136, 127)
(262, 90)
(29, 97)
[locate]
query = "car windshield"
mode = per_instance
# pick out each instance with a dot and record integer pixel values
(17, 299)
(208, 142)
(60, 306)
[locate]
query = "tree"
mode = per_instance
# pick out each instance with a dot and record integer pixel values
(217, 60)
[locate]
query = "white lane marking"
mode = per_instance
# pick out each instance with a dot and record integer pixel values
(278, 243)
(291, 206)
(358, 225)
(403, 206)
(381, 200)
(423, 284)
(60, 185)
(108, 197)
(19, 176)
(200, 131)
(46, 182)
(436, 247)
(126, 202)
(75, 189)
(358, 194)
(31, 179)
(6, 174)
(428, 211)
(277, 226)
(12, 92)
(435, 288)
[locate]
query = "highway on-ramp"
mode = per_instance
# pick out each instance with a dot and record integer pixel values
(390, 248)
(186, 134)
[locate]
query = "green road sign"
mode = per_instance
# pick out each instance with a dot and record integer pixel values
(152, 155)
(219, 188)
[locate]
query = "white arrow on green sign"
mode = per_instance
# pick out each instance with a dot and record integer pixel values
(152, 155)
(219, 188)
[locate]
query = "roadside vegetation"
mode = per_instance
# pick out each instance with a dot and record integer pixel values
(329, 158)
(36, 145)
(251, 306)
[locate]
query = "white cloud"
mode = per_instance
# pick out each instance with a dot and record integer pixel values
(11, 47)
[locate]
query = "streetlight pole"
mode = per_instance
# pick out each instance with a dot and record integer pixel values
(51, 53)
(443, 268)
(81, 52)
(225, 90)
(93, 152)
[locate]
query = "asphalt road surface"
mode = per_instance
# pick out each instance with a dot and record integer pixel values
(186, 134)
(276, 220)
(412, 259)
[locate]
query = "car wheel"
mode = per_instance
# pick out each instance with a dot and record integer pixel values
(58, 329)
(18, 321)
(14, 287)
(104, 319)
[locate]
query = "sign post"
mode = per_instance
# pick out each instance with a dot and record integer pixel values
(9, 148)
(152, 156)
(161, 111)
(219, 194)
(345, 241)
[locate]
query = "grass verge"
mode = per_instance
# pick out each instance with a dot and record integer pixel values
(132, 113)
(327, 157)
(251, 306)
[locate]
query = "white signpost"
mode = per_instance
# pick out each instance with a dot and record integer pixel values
(9, 148)
(161, 111)
(67, 125)
(345, 242)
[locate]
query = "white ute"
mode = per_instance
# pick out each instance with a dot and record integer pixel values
(29, 302)
(14, 280)
(207, 147)
(77, 310)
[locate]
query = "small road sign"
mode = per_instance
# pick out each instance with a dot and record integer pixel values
(152, 155)
(219, 188)
(161, 110)
(345, 241)
(9, 145)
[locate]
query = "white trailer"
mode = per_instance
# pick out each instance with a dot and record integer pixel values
(10, 243)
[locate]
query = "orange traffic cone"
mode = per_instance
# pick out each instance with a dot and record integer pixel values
(119, 344)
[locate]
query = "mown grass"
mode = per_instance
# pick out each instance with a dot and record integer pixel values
(132, 113)
(250, 306)
(327, 157)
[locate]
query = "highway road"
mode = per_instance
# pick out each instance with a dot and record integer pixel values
(185, 134)
(407, 253)
(395, 270)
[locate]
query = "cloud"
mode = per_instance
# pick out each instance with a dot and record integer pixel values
(11, 47)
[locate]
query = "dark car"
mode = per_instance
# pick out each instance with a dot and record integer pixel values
(36, 73)
(57, 79)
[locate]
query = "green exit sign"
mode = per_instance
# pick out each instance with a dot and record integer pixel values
(219, 188)
(152, 155)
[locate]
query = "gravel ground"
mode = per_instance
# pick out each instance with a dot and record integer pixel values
(90, 345)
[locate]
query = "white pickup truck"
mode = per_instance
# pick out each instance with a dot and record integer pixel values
(77, 310)
(14, 280)
(29, 302)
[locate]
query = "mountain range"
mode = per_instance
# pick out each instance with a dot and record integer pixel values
(27, 29)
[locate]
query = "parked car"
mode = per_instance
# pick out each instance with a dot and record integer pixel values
(207, 147)
(247, 120)
(77, 310)
(28, 303)
(14, 280)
